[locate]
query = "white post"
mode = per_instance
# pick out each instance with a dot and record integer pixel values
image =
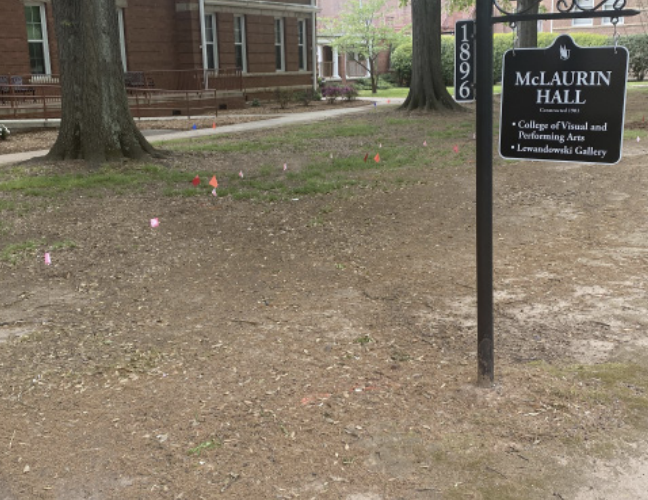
(203, 40)
(336, 69)
(314, 46)
(320, 60)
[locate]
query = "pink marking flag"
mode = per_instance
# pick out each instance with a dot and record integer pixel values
(455, 148)
(380, 145)
(48, 259)
(285, 167)
(388, 101)
(196, 181)
(241, 174)
(155, 222)
(213, 182)
(377, 158)
(425, 143)
(365, 158)
(214, 192)
(638, 139)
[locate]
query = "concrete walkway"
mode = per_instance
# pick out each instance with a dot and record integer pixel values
(155, 137)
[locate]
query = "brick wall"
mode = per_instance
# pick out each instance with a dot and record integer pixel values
(150, 34)
(14, 53)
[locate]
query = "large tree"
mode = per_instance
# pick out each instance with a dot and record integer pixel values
(528, 30)
(362, 33)
(96, 124)
(427, 90)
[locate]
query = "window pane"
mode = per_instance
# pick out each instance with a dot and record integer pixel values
(210, 57)
(301, 59)
(238, 54)
(277, 31)
(278, 56)
(36, 58)
(237, 30)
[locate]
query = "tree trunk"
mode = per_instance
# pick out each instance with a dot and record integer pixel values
(528, 30)
(96, 124)
(427, 90)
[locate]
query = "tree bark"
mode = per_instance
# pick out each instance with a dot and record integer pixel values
(528, 30)
(427, 90)
(96, 124)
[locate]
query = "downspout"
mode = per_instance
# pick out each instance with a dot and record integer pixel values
(314, 45)
(203, 41)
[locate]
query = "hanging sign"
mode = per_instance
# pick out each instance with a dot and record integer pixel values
(563, 103)
(464, 74)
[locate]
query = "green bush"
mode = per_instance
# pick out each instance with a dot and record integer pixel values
(447, 59)
(283, 97)
(402, 63)
(637, 45)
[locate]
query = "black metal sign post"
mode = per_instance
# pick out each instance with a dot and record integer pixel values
(567, 9)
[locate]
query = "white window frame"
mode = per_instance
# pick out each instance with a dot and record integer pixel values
(213, 43)
(588, 21)
(280, 44)
(241, 19)
(45, 39)
(302, 43)
(607, 21)
(122, 37)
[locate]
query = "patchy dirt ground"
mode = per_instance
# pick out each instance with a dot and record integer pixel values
(35, 140)
(324, 347)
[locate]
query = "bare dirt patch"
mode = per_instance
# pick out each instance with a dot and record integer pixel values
(324, 346)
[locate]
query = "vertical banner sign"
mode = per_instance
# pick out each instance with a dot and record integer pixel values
(464, 75)
(564, 103)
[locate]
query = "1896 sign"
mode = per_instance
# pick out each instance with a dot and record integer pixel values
(464, 61)
(564, 103)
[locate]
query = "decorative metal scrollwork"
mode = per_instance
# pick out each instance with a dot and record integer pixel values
(565, 9)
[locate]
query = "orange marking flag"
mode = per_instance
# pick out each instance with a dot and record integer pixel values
(377, 158)
(213, 182)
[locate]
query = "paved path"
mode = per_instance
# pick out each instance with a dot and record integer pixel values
(281, 121)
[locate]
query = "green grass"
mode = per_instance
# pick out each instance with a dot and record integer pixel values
(401, 92)
(206, 445)
(16, 252)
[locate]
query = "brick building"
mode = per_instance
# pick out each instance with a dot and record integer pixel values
(270, 41)
(602, 25)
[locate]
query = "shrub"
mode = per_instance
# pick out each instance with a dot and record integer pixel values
(637, 45)
(447, 59)
(283, 97)
(305, 96)
(255, 103)
(348, 92)
(4, 132)
(402, 63)
(331, 93)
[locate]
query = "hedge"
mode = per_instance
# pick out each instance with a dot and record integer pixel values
(402, 58)
(637, 45)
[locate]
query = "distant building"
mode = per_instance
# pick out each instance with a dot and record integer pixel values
(269, 42)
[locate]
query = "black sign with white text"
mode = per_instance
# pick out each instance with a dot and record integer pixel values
(464, 75)
(563, 103)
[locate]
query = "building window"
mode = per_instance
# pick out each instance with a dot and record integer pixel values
(211, 42)
(609, 5)
(587, 5)
(39, 60)
(122, 37)
(239, 43)
(279, 45)
(301, 44)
